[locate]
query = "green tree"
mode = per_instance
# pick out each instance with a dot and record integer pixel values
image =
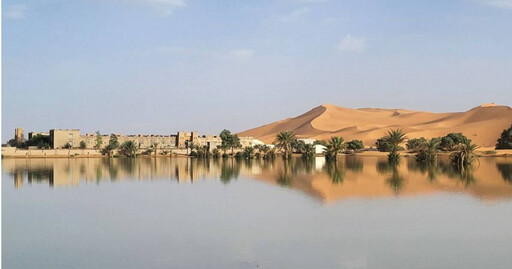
(40, 141)
(284, 140)
(464, 154)
(16, 143)
(334, 146)
(428, 150)
(382, 145)
(248, 152)
(154, 146)
(355, 145)
(215, 153)
(505, 140)
(129, 149)
(99, 140)
(230, 140)
(298, 145)
(113, 144)
(257, 149)
(67, 145)
(308, 151)
(83, 145)
(416, 144)
(452, 140)
(335, 173)
(394, 138)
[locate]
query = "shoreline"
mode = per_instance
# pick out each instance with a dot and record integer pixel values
(80, 154)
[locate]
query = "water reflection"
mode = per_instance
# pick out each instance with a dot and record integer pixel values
(506, 171)
(350, 176)
(335, 171)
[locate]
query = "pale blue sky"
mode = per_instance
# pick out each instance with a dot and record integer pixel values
(159, 66)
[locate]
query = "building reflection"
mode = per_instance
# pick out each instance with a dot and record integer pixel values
(349, 177)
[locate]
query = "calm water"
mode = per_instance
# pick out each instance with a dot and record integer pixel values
(183, 213)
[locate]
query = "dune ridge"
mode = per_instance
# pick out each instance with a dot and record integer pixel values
(482, 124)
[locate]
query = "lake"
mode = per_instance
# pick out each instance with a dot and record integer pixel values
(187, 213)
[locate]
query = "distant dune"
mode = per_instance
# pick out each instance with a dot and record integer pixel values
(482, 124)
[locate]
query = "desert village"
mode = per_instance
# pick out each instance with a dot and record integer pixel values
(64, 141)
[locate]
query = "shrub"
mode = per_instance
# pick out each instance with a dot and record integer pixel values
(451, 140)
(415, 144)
(428, 150)
(464, 154)
(128, 149)
(67, 146)
(215, 153)
(383, 146)
(248, 152)
(83, 145)
(505, 140)
(355, 145)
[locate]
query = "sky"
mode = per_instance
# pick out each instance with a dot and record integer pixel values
(159, 66)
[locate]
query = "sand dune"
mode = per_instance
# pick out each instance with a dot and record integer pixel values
(482, 124)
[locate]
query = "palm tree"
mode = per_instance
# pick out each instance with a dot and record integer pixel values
(334, 146)
(394, 138)
(308, 151)
(258, 148)
(155, 147)
(284, 141)
(336, 174)
(464, 154)
(129, 149)
(428, 150)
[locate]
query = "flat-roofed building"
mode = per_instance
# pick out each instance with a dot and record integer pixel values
(247, 141)
(59, 138)
(210, 141)
(184, 138)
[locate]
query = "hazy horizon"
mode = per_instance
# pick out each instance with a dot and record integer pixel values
(156, 67)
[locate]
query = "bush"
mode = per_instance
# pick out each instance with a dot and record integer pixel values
(215, 153)
(128, 149)
(383, 146)
(415, 144)
(67, 146)
(464, 154)
(248, 152)
(428, 150)
(239, 155)
(355, 145)
(505, 140)
(451, 140)
(40, 141)
(83, 145)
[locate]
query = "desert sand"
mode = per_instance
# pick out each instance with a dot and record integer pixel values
(482, 124)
